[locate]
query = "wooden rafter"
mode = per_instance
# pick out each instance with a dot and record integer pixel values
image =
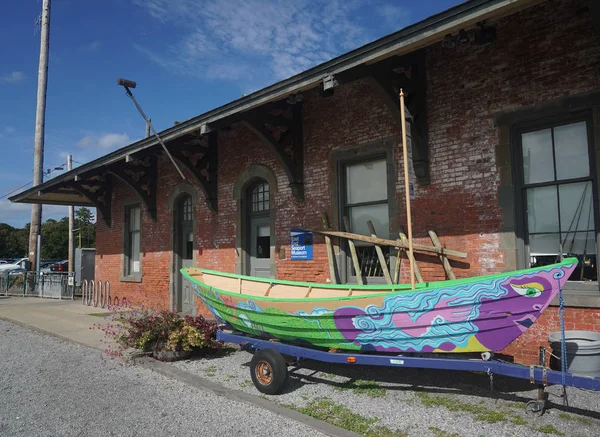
(387, 78)
(141, 175)
(280, 128)
(98, 190)
(199, 155)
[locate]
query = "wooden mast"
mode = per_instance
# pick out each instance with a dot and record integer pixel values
(407, 192)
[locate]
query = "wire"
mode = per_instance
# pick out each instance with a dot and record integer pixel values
(31, 182)
(16, 189)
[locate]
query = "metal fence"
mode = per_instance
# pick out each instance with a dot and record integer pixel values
(51, 285)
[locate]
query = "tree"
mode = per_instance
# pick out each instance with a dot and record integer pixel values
(13, 241)
(85, 222)
(55, 239)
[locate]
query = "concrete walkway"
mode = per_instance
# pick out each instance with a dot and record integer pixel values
(70, 320)
(67, 319)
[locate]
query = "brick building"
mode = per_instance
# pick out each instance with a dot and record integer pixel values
(505, 104)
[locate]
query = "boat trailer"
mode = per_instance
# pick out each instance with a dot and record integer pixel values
(269, 368)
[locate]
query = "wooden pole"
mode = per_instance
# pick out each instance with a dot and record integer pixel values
(354, 255)
(392, 243)
(418, 275)
(445, 263)
(71, 221)
(407, 192)
(40, 124)
(380, 255)
(330, 254)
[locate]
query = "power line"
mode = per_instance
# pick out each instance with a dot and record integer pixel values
(50, 171)
(16, 189)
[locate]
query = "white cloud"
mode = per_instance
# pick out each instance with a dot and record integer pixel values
(395, 16)
(104, 141)
(92, 47)
(255, 40)
(13, 77)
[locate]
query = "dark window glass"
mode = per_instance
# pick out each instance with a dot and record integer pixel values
(132, 242)
(260, 197)
(263, 245)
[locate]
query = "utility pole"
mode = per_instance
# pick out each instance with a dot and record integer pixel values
(148, 128)
(71, 218)
(40, 120)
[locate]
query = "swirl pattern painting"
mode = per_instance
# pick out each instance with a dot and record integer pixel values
(470, 315)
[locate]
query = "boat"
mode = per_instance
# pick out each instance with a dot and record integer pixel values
(479, 314)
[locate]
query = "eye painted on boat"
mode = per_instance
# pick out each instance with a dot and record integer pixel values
(533, 289)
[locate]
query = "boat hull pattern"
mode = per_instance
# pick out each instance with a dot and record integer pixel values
(480, 315)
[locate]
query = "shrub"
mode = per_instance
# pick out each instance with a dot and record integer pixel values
(159, 331)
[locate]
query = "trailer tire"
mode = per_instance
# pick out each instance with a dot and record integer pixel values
(268, 371)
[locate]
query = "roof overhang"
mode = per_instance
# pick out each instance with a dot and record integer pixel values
(407, 40)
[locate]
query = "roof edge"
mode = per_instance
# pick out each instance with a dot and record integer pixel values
(408, 39)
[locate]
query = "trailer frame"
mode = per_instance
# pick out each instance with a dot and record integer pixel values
(271, 363)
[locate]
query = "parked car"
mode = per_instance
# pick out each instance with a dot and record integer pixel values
(20, 264)
(62, 266)
(47, 267)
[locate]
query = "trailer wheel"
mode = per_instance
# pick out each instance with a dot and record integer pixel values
(268, 371)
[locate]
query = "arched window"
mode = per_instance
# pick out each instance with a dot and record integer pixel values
(259, 197)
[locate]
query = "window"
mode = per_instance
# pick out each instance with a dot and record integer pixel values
(132, 265)
(260, 197)
(558, 192)
(187, 209)
(365, 198)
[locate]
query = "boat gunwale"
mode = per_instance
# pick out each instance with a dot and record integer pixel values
(391, 290)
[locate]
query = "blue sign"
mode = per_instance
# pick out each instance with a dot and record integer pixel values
(301, 245)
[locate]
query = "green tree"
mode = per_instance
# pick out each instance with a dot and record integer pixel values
(85, 222)
(13, 241)
(55, 239)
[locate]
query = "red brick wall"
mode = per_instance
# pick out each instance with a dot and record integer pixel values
(543, 53)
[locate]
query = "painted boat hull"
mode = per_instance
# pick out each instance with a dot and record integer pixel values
(471, 315)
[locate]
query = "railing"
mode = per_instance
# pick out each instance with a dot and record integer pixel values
(95, 293)
(50, 285)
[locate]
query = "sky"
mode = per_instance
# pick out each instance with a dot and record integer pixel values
(187, 57)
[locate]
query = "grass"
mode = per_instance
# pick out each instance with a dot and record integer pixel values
(338, 415)
(549, 429)
(328, 375)
(359, 387)
(246, 383)
(210, 371)
(437, 432)
(518, 420)
(583, 420)
(482, 413)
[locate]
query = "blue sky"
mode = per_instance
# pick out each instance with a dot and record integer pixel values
(187, 56)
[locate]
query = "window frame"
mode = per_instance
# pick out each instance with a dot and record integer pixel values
(517, 130)
(379, 149)
(344, 208)
(126, 274)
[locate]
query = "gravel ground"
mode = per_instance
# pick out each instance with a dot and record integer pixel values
(53, 388)
(417, 402)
